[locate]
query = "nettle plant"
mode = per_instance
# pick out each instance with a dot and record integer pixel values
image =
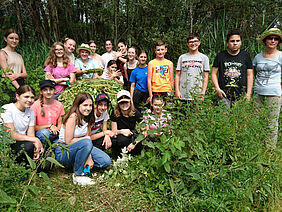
(211, 158)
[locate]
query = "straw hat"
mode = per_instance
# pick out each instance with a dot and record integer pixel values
(272, 31)
(84, 47)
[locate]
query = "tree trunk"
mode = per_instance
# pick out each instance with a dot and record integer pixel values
(17, 5)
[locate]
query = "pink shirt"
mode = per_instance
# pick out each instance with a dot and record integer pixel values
(52, 113)
(60, 72)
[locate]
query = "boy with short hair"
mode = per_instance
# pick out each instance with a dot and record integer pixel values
(235, 70)
(160, 74)
(192, 72)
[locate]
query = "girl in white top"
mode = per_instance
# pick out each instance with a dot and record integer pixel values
(19, 119)
(10, 59)
(75, 132)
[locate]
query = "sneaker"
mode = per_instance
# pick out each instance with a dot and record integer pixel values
(82, 180)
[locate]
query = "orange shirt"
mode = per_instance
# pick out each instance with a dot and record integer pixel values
(160, 76)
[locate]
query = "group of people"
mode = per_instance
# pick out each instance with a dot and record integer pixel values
(83, 129)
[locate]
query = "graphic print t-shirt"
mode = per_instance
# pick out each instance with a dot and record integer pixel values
(160, 76)
(232, 71)
(191, 69)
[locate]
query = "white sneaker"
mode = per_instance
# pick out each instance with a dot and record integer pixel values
(82, 180)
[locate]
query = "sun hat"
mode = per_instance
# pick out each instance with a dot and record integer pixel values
(84, 47)
(102, 97)
(123, 96)
(271, 31)
(47, 83)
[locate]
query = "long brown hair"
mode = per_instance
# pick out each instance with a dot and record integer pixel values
(118, 113)
(52, 58)
(79, 99)
(25, 88)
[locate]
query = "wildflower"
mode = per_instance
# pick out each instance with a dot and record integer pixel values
(117, 184)
(257, 191)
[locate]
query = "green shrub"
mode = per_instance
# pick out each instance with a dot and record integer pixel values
(213, 160)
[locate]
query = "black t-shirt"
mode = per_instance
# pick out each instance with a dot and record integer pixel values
(232, 71)
(127, 122)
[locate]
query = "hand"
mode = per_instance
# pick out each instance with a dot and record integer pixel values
(220, 93)
(201, 97)
(126, 132)
(248, 96)
(150, 100)
(109, 133)
(89, 162)
(85, 71)
(118, 54)
(178, 94)
(54, 130)
(38, 148)
(11, 76)
(107, 142)
(130, 147)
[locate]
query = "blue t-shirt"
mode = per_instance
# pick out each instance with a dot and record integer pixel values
(268, 78)
(90, 65)
(139, 77)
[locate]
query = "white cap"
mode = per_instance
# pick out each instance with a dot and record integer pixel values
(123, 96)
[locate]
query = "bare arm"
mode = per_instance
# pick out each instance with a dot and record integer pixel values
(220, 93)
(205, 83)
(149, 81)
(72, 78)
(171, 75)
(69, 130)
(177, 82)
(250, 79)
(132, 89)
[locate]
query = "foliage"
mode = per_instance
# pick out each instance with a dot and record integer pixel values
(214, 160)
(91, 86)
(5, 87)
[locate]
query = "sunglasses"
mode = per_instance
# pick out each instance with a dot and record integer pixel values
(273, 38)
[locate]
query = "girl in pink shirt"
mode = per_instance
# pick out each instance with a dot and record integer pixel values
(59, 68)
(48, 113)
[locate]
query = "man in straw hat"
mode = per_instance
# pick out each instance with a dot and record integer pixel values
(84, 63)
(267, 66)
(235, 70)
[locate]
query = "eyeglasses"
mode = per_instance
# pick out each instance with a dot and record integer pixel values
(193, 41)
(273, 38)
(59, 50)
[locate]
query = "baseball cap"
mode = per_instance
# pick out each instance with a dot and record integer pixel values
(123, 96)
(102, 97)
(47, 83)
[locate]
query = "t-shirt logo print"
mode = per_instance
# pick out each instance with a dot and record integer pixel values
(161, 70)
(264, 74)
(232, 73)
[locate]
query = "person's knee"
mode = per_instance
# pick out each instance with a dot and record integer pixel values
(43, 134)
(107, 161)
(87, 144)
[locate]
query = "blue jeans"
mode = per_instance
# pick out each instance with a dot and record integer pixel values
(43, 134)
(78, 154)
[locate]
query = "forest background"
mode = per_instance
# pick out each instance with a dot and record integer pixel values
(216, 161)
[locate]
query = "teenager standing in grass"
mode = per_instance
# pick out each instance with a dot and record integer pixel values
(75, 132)
(138, 79)
(59, 68)
(94, 55)
(48, 113)
(130, 65)
(267, 66)
(192, 72)
(70, 47)
(160, 73)
(235, 70)
(109, 55)
(85, 63)
(19, 119)
(10, 59)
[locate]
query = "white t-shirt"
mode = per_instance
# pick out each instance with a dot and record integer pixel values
(21, 120)
(106, 57)
(99, 122)
(78, 131)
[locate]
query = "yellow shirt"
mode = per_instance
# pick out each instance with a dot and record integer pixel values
(161, 76)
